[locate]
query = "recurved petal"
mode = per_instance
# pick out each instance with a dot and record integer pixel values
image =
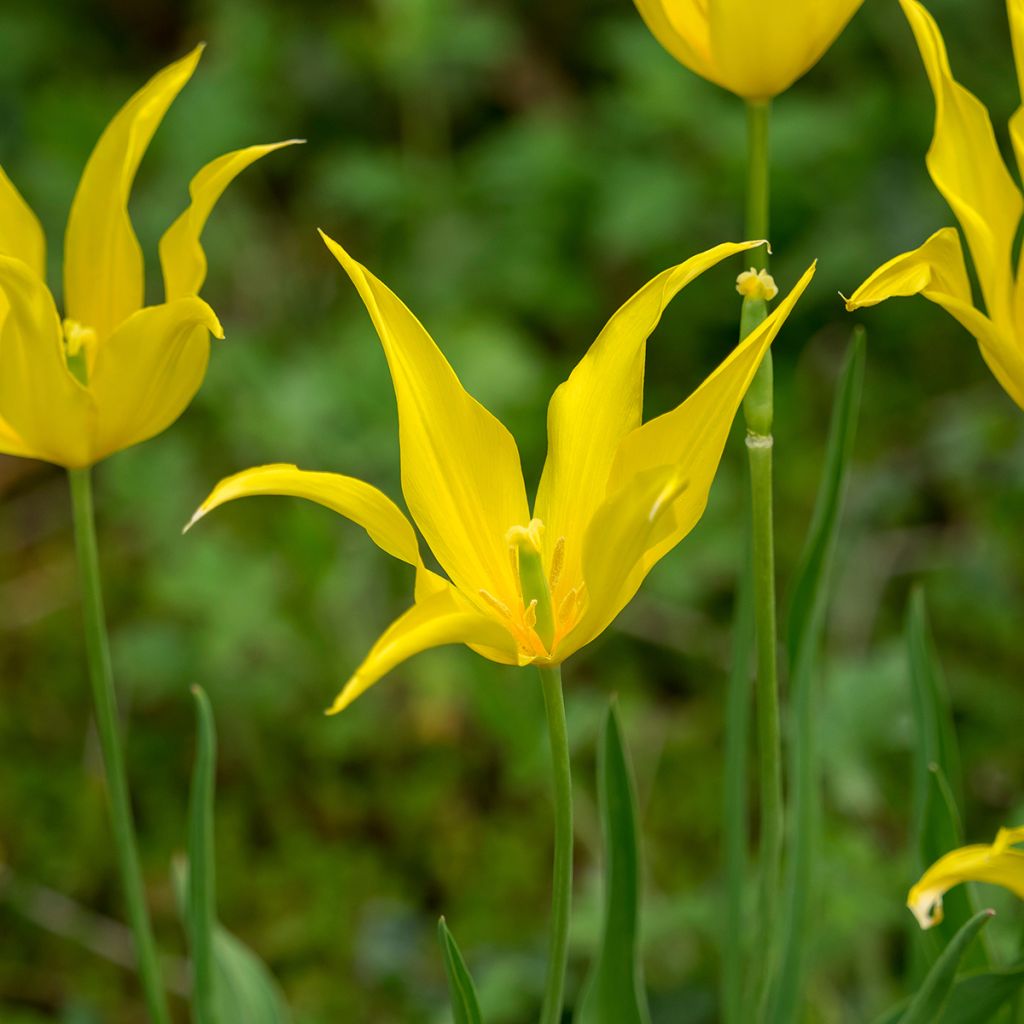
(660, 480)
(998, 864)
(600, 403)
(147, 371)
(937, 267)
(21, 234)
(41, 401)
(181, 254)
(360, 502)
(460, 467)
(968, 169)
(681, 26)
(103, 271)
(444, 618)
(936, 271)
(759, 50)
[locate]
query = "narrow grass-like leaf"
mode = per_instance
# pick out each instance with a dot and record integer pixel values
(465, 1007)
(974, 998)
(201, 900)
(806, 625)
(735, 827)
(929, 1004)
(936, 797)
(614, 993)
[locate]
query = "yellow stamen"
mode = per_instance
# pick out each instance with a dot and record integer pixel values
(498, 605)
(525, 541)
(757, 284)
(557, 561)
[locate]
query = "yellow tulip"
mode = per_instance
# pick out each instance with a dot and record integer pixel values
(756, 50)
(614, 496)
(114, 371)
(967, 168)
(998, 864)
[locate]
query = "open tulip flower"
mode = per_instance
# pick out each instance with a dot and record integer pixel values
(998, 864)
(965, 163)
(114, 371)
(614, 496)
(754, 50)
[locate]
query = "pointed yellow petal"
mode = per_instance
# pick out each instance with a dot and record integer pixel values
(968, 169)
(460, 467)
(601, 402)
(1015, 9)
(998, 864)
(12, 444)
(103, 273)
(681, 26)
(21, 234)
(360, 502)
(444, 618)
(936, 270)
(181, 256)
(661, 478)
(759, 50)
(147, 371)
(41, 401)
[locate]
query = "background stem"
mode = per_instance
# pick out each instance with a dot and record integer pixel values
(759, 411)
(101, 679)
(561, 890)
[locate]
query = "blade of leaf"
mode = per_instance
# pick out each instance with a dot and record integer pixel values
(936, 798)
(614, 992)
(928, 1004)
(974, 998)
(465, 1006)
(735, 806)
(200, 911)
(806, 626)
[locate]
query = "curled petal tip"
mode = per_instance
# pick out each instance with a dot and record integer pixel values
(850, 305)
(196, 516)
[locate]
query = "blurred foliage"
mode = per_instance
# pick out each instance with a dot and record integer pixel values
(514, 170)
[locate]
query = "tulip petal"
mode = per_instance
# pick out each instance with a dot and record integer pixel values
(460, 467)
(968, 169)
(998, 864)
(444, 618)
(599, 404)
(660, 481)
(1015, 10)
(39, 398)
(936, 271)
(12, 444)
(759, 50)
(103, 270)
(149, 369)
(362, 503)
(21, 234)
(682, 29)
(181, 255)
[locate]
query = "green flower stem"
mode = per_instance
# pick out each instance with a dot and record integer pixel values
(758, 410)
(101, 678)
(561, 890)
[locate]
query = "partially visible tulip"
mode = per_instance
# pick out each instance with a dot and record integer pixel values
(756, 50)
(113, 372)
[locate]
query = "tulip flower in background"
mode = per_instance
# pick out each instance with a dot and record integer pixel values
(113, 373)
(968, 169)
(531, 588)
(754, 50)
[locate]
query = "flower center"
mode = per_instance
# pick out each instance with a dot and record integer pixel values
(524, 544)
(757, 284)
(79, 343)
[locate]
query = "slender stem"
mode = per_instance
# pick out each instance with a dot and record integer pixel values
(101, 678)
(759, 412)
(561, 890)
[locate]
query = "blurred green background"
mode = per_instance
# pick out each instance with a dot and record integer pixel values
(514, 170)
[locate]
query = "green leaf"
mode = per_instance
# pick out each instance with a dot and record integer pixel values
(977, 998)
(806, 626)
(200, 915)
(930, 1002)
(245, 989)
(735, 827)
(936, 802)
(465, 1007)
(614, 992)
